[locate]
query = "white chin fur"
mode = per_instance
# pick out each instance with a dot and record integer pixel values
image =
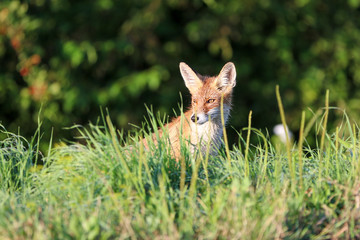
(203, 118)
(214, 115)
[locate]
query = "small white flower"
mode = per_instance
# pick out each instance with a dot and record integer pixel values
(279, 131)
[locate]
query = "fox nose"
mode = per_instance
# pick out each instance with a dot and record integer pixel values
(193, 118)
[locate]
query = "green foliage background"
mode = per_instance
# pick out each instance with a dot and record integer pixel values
(71, 57)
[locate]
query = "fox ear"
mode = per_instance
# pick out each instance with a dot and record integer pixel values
(192, 81)
(226, 77)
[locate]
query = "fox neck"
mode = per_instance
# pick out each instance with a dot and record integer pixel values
(210, 132)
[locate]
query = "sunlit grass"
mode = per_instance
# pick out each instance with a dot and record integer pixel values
(107, 186)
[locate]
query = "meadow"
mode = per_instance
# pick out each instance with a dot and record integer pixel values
(105, 185)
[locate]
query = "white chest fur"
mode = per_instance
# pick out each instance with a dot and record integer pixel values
(208, 135)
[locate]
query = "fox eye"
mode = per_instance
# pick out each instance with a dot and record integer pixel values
(210, 101)
(194, 101)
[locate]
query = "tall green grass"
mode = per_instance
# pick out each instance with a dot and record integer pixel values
(105, 185)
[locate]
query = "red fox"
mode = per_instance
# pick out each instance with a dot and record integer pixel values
(201, 124)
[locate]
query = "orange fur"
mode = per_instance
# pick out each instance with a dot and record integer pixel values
(201, 125)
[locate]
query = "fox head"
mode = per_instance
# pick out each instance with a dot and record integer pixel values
(206, 93)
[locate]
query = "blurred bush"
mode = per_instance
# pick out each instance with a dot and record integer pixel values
(71, 57)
